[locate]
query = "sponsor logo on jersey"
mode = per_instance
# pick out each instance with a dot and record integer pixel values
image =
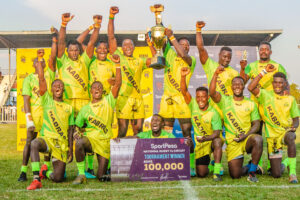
(77, 77)
(131, 79)
(172, 80)
(55, 123)
(222, 86)
(199, 126)
(98, 124)
(234, 122)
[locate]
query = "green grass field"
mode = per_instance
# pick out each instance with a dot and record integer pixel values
(196, 188)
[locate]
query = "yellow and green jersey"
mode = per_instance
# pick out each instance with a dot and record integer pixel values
(238, 116)
(278, 112)
(224, 79)
(31, 87)
(131, 69)
(102, 71)
(75, 75)
(57, 117)
(98, 118)
(149, 135)
(204, 122)
(172, 73)
(253, 69)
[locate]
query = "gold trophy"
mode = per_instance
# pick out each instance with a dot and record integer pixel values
(158, 38)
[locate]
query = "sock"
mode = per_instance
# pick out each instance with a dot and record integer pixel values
(285, 162)
(35, 170)
(80, 166)
(260, 163)
(217, 168)
(211, 166)
(90, 159)
(192, 160)
(252, 168)
(268, 165)
(48, 173)
(24, 169)
(47, 163)
(292, 165)
(108, 166)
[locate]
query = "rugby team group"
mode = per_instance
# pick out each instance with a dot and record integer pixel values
(79, 106)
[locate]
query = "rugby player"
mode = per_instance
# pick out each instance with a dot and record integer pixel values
(241, 121)
(130, 105)
(32, 103)
(73, 67)
(207, 128)
(281, 117)
(96, 117)
(56, 135)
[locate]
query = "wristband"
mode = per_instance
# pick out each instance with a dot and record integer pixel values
(91, 27)
(118, 65)
(54, 40)
(172, 38)
(198, 30)
(64, 24)
(97, 25)
(149, 44)
(111, 16)
(29, 121)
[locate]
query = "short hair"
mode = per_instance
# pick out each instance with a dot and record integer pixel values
(158, 115)
(128, 39)
(183, 38)
(75, 42)
(239, 77)
(97, 82)
(265, 42)
(202, 89)
(226, 49)
(57, 80)
(102, 42)
(279, 75)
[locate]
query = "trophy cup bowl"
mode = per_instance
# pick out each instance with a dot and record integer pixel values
(158, 38)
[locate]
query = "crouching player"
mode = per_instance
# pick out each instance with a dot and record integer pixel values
(97, 118)
(281, 116)
(241, 120)
(56, 133)
(207, 127)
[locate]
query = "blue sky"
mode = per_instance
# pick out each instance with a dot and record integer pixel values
(17, 15)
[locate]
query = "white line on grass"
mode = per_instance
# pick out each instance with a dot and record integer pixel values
(163, 187)
(188, 190)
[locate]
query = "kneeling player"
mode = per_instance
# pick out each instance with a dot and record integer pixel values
(281, 116)
(207, 127)
(96, 117)
(56, 133)
(241, 120)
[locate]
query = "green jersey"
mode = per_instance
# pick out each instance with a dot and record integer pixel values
(31, 87)
(172, 73)
(238, 116)
(204, 122)
(75, 75)
(98, 118)
(224, 79)
(149, 135)
(278, 112)
(57, 117)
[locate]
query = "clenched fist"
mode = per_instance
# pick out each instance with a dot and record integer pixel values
(200, 24)
(66, 17)
(114, 10)
(185, 71)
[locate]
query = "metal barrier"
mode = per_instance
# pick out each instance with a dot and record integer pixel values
(8, 114)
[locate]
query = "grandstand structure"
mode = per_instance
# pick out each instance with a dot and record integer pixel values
(12, 40)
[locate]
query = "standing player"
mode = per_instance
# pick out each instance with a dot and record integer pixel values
(281, 117)
(207, 127)
(130, 105)
(73, 67)
(96, 117)
(241, 120)
(56, 133)
(32, 103)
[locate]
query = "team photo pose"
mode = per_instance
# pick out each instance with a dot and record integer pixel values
(281, 117)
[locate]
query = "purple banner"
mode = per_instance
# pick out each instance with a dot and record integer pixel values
(150, 160)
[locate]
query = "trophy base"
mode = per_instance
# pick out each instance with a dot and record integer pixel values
(158, 62)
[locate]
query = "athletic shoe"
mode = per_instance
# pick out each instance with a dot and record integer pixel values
(259, 170)
(91, 171)
(79, 180)
(88, 175)
(293, 179)
(23, 177)
(252, 178)
(43, 172)
(282, 168)
(104, 178)
(35, 184)
(217, 177)
(193, 172)
(222, 171)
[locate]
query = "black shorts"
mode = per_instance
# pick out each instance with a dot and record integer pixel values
(204, 160)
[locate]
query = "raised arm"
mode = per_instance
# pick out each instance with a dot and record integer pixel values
(52, 59)
(216, 96)
(179, 50)
(115, 89)
(150, 44)
(91, 45)
(66, 17)
(112, 41)
(243, 64)
(252, 87)
(40, 71)
(199, 42)
(184, 91)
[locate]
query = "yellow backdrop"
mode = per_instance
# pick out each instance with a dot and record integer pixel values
(24, 68)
